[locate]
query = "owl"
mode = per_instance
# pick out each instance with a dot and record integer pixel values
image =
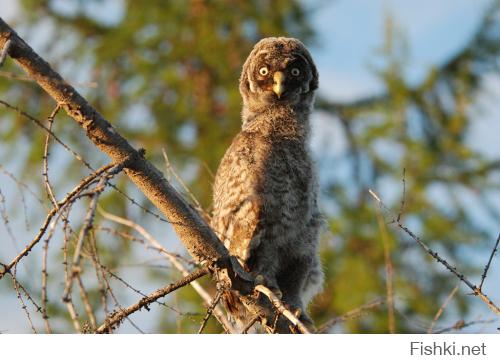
(265, 189)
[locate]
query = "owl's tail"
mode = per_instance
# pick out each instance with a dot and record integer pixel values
(238, 313)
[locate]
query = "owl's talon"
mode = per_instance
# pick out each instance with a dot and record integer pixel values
(277, 292)
(297, 312)
(259, 279)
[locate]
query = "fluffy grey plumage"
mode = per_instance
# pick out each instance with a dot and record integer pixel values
(265, 191)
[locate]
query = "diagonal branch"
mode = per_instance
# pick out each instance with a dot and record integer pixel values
(475, 290)
(117, 316)
(487, 267)
(196, 235)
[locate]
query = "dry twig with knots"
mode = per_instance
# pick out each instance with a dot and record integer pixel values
(475, 290)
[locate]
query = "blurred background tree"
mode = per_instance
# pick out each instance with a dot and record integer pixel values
(165, 73)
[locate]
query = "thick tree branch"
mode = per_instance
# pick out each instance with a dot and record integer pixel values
(196, 235)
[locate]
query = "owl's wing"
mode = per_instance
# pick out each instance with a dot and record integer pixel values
(237, 205)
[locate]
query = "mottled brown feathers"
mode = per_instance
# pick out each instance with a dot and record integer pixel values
(265, 190)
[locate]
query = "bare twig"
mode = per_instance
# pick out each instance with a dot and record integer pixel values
(353, 314)
(70, 307)
(460, 324)
(80, 158)
(128, 285)
(441, 309)
(210, 309)
(87, 225)
(5, 218)
(487, 267)
(19, 77)
(476, 291)
(281, 308)
(388, 273)
(179, 180)
(23, 305)
(45, 274)
(21, 185)
(45, 173)
(403, 198)
(86, 304)
(73, 315)
(221, 317)
(75, 192)
(147, 244)
(117, 316)
(106, 286)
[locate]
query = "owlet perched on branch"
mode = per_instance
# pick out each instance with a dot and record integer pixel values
(265, 191)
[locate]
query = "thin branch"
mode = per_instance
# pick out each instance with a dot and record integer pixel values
(487, 267)
(86, 304)
(80, 158)
(147, 244)
(179, 180)
(221, 317)
(403, 198)
(87, 226)
(210, 309)
(101, 274)
(388, 272)
(282, 309)
(45, 275)
(128, 285)
(19, 77)
(353, 314)
(23, 305)
(475, 290)
(40, 125)
(461, 324)
(45, 172)
(117, 316)
(73, 315)
(5, 218)
(441, 309)
(72, 194)
(21, 185)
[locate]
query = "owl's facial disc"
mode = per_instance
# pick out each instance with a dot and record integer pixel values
(279, 79)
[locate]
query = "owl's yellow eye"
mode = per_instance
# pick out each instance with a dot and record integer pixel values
(295, 72)
(263, 71)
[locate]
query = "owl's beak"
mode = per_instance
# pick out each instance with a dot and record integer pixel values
(279, 83)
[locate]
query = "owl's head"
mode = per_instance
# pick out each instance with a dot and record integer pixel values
(278, 71)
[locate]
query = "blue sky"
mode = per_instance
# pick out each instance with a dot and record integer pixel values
(351, 31)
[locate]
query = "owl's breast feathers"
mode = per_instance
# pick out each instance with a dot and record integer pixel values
(263, 187)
